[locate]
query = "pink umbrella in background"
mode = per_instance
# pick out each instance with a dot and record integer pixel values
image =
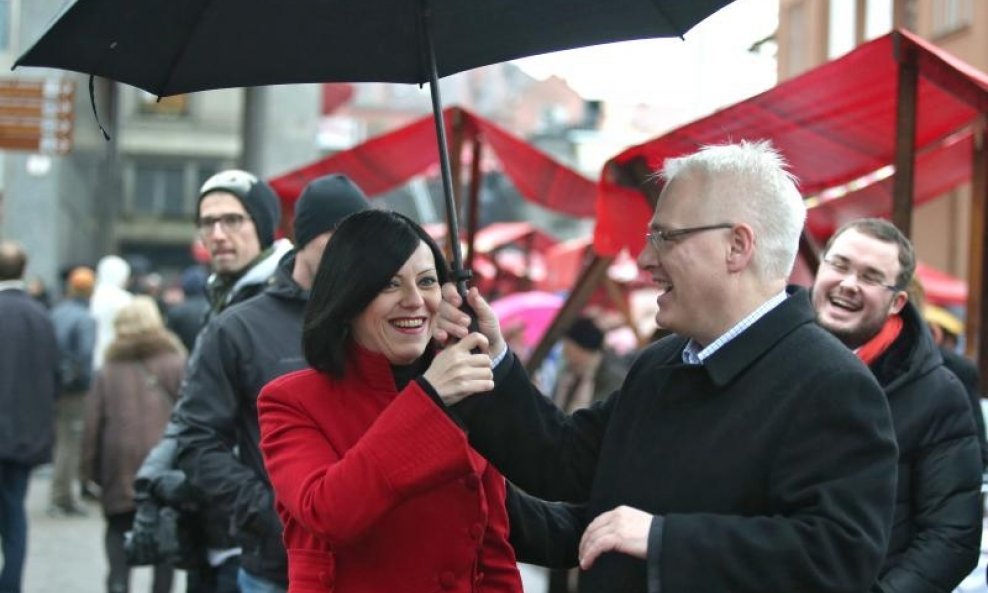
(526, 316)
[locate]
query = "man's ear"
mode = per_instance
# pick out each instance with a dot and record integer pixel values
(898, 302)
(741, 247)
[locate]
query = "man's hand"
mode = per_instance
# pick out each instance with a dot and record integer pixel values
(454, 323)
(456, 373)
(623, 529)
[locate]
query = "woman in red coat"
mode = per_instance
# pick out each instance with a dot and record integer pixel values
(376, 485)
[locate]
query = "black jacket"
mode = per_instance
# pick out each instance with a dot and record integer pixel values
(967, 372)
(28, 378)
(936, 533)
(239, 352)
(769, 469)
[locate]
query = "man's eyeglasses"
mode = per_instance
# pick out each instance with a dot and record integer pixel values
(867, 278)
(229, 223)
(660, 239)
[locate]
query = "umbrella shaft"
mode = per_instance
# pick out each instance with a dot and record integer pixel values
(447, 175)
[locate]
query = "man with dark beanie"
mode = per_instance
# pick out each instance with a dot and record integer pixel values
(237, 354)
(236, 217)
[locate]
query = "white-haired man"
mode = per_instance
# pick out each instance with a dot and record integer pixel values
(747, 452)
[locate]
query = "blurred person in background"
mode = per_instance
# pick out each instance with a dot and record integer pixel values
(126, 412)
(109, 296)
(240, 351)
(75, 330)
(186, 318)
(945, 329)
(860, 297)
(587, 374)
(28, 388)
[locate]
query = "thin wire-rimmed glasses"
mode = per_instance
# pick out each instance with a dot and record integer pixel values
(229, 223)
(659, 239)
(867, 278)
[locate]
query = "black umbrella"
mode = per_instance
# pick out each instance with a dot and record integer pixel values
(168, 47)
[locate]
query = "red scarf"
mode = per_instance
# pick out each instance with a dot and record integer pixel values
(876, 346)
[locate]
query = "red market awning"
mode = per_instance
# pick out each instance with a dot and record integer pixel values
(386, 162)
(834, 124)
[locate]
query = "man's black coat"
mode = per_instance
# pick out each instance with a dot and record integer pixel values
(771, 468)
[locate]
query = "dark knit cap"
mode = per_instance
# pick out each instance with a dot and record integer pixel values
(585, 333)
(259, 200)
(324, 203)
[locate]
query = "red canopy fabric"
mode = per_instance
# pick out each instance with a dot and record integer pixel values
(938, 170)
(834, 124)
(386, 162)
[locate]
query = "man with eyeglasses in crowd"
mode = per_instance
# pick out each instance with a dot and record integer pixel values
(237, 216)
(860, 296)
(748, 452)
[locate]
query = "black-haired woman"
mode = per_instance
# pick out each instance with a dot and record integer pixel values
(376, 485)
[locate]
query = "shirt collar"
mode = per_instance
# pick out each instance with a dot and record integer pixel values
(693, 354)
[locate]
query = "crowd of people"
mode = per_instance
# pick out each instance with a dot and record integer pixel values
(318, 414)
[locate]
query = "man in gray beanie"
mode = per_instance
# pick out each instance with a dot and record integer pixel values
(237, 216)
(240, 351)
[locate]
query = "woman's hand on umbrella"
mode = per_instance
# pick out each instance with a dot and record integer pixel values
(454, 323)
(456, 372)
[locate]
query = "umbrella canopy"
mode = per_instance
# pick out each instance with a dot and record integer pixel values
(176, 46)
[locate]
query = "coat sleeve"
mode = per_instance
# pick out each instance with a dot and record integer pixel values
(207, 415)
(833, 485)
(538, 447)
(946, 491)
(545, 533)
(410, 448)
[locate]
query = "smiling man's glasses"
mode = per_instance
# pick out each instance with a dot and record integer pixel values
(660, 239)
(872, 278)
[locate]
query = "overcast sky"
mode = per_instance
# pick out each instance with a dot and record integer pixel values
(710, 69)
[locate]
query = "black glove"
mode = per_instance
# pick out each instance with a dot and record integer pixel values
(141, 541)
(173, 489)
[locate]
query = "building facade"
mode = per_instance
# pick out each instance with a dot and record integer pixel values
(814, 31)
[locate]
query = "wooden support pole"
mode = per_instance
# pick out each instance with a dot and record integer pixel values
(588, 281)
(905, 137)
(977, 305)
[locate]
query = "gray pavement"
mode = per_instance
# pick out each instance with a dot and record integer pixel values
(66, 554)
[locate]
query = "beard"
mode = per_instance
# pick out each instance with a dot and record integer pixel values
(858, 334)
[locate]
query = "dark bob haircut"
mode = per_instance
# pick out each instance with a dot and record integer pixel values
(363, 255)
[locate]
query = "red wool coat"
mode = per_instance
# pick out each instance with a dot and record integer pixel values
(378, 490)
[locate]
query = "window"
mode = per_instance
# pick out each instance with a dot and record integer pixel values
(878, 18)
(159, 191)
(843, 27)
(951, 15)
(797, 58)
(166, 188)
(5, 24)
(174, 106)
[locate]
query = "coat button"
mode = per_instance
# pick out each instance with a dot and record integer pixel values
(447, 580)
(472, 482)
(325, 578)
(476, 531)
